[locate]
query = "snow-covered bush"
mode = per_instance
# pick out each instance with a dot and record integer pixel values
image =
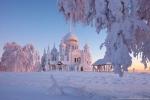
(19, 59)
(127, 23)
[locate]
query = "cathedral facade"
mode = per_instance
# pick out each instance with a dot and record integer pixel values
(69, 57)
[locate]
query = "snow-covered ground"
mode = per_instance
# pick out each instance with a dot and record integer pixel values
(74, 86)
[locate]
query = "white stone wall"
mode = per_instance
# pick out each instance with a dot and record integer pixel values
(69, 48)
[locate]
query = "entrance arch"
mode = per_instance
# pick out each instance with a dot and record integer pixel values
(81, 69)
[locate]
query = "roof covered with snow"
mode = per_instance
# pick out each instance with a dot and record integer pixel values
(70, 36)
(101, 62)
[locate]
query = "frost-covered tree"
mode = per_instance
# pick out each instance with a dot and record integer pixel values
(127, 23)
(43, 61)
(19, 59)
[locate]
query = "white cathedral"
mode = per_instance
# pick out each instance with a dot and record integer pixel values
(69, 57)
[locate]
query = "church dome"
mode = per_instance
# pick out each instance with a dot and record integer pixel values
(86, 46)
(71, 37)
(62, 45)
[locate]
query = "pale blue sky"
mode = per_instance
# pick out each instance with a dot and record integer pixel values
(39, 22)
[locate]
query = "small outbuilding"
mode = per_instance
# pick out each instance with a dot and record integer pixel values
(102, 66)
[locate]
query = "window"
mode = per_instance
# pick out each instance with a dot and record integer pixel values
(74, 59)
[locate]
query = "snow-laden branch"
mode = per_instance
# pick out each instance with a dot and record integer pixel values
(127, 23)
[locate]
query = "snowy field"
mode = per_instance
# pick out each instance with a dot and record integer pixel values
(74, 86)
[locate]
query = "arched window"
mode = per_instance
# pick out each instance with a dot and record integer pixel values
(75, 60)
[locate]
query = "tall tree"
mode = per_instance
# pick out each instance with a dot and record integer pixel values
(43, 61)
(127, 23)
(19, 59)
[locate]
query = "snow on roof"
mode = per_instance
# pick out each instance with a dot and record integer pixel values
(54, 50)
(62, 44)
(70, 36)
(101, 62)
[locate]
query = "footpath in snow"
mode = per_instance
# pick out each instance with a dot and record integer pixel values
(74, 86)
